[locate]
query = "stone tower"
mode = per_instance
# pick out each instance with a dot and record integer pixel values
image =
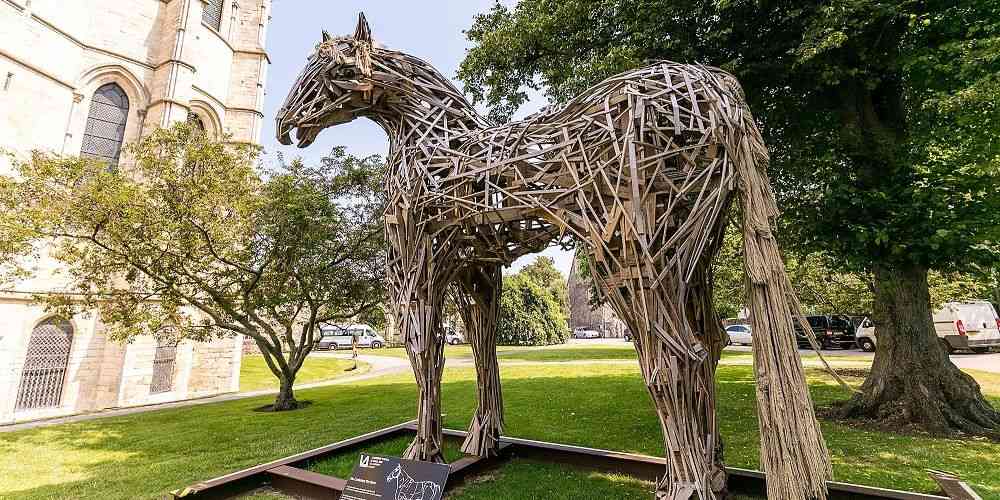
(85, 77)
(171, 59)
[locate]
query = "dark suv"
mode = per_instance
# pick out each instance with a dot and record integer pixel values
(831, 331)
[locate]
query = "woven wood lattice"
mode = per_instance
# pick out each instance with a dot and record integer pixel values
(477, 294)
(640, 170)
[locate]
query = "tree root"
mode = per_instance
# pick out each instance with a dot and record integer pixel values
(948, 406)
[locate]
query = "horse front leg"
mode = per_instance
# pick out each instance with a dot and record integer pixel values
(478, 298)
(417, 284)
(425, 348)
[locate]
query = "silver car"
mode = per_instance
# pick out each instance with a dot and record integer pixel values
(740, 334)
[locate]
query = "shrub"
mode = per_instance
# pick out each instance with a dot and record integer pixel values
(529, 315)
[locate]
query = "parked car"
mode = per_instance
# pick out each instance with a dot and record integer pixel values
(970, 325)
(586, 333)
(833, 330)
(740, 334)
(341, 337)
(864, 336)
(454, 338)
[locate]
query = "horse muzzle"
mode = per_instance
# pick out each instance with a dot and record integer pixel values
(304, 134)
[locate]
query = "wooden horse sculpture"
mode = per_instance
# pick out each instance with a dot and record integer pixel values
(640, 172)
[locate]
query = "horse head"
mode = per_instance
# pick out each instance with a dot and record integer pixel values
(394, 475)
(335, 87)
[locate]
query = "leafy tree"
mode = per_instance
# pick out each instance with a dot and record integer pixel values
(374, 317)
(192, 242)
(543, 271)
(881, 117)
(529, 314)
(728, 277)
(594, 297)
(824, 288)
(15, 237)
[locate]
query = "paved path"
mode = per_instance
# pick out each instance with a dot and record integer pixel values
(964, 360)
(983, 362)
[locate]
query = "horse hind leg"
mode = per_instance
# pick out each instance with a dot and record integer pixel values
(677, 369)
(477, 294)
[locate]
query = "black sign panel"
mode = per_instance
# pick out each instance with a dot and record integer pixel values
(390, 478)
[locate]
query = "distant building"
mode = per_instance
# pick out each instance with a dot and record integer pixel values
(582, 315)
(84, 77)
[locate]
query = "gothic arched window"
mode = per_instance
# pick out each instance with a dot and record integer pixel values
(105, 130)
(164, 359)
(45, 365)
(212, 15)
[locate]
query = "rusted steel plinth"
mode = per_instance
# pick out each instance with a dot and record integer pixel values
(287, 476)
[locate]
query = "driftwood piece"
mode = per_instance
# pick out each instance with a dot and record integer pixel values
(953, 486)
(640, 171)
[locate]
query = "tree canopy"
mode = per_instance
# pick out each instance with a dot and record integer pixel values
(881, 119)
(530, 314)
(879, 115)
(191, 241)
(823, 287)
(543, 271)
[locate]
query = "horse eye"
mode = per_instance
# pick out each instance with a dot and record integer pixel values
(348, 73)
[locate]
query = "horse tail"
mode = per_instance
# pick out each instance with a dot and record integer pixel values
(793, 453)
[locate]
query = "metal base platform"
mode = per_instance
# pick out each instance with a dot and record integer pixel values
(285, 475)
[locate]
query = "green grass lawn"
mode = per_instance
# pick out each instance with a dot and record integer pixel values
(341, 465)
(625, 351)
(450, 351)
(569, 352)
(255, 375)
(598, 405)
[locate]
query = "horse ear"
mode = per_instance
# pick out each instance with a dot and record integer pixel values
(326, 36)
(363, 33)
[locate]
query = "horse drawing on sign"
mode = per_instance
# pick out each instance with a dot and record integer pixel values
(640, 173)
(408, 488)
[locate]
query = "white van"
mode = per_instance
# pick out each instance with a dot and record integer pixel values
(865, 335)
(968, 325)
(341, 337)
(972, 325)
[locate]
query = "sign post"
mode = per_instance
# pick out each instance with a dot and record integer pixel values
(389, 478)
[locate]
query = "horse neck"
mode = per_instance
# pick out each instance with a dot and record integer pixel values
(423, 105)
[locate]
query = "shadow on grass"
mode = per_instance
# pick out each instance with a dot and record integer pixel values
(149, 454)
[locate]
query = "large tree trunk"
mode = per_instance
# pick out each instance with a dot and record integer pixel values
(913, 383)
(285, 400)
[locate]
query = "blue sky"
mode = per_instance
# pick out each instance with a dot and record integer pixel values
(431, 30)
